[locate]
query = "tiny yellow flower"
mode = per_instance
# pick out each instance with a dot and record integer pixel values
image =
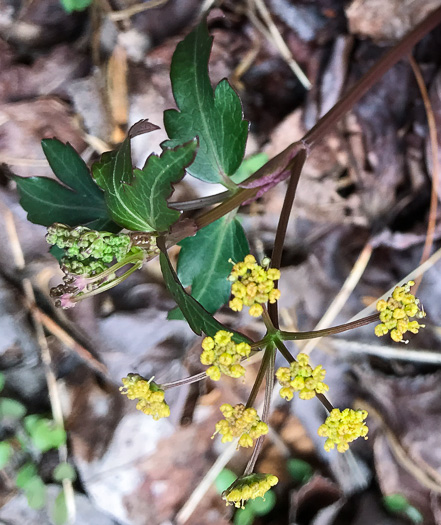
(240, 422)
(341, 428)
(396, 312)
(301, 377)
(256, 310)
(253, 285)
(248, 487)
(149, 394)
(224, 355)
(236, 304)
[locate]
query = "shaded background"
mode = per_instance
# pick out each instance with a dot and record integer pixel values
(85, 78)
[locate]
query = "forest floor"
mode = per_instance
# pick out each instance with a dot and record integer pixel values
(359, 226)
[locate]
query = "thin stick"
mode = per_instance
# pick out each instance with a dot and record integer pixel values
(193, 501)
(343, 295)
(345, 347)
(54, 397)
(435, 166)
(56, 330)
(414, 274)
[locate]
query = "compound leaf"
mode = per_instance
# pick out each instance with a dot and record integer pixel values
(215, 118)
(79, 202)
(137, 199)
(197, 317)
(220, 242)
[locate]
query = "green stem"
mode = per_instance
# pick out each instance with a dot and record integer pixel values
(269, 388)
(242, 195)
(276, 257)
(267, 356)
(360, 88)
(296, 336)
(108, 285)
(287, 355)
(329, 120)
(267, 321)
(202, 202)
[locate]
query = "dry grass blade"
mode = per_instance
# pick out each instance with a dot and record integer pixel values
(348, 347)
(117, 16)
(193, 501)
(270, 31)
(422, 472)
(342, 296)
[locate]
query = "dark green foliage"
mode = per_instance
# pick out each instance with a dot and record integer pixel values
(198, 318)
(215, 118)
(80, 201)
(137, 199)
(219, 242)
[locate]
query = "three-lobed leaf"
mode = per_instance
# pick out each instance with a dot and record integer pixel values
(220, 242)
(80, 201)
(198, 318)
(216, 118)
(137, 199)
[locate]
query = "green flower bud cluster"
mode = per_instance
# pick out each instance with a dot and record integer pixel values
(396, 312)
(240, 422)
(96, 261)
(86, 267)
(249, 487)
(343, 427)
(82, 243)
(224, 355)
(150, 396)
(301, 377)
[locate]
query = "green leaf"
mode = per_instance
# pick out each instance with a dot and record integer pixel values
(30, 422)
(197, 317)
(244, 516)
(262, 506)
(221, 241)
(399, 504)
(25, 473)
(11, 408)
(5, 453)
(59, 512)
(47, 201)
(45, 435)
(64, 471)
(225, 478)
(2, 381)
(75, 5)
(215, 118)
(35, 492)
(249, 166)
(137, 199)
(300, 470)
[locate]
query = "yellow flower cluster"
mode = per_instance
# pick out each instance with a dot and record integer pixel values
(249, 487)
(224, 355)
(240, 421)
(253, 286)
(301, 377)
(151, 397)
(395, 313)
(343, 427)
